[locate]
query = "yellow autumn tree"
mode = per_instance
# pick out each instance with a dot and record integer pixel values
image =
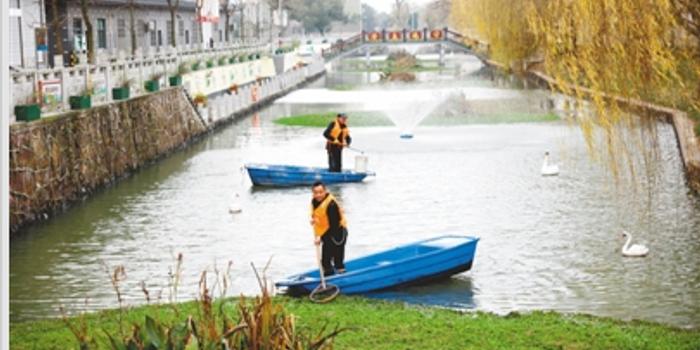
(595, 49)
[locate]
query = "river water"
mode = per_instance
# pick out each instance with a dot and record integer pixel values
(546, 243)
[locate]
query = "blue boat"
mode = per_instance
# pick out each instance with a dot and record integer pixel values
(415, 263)
(290, 175)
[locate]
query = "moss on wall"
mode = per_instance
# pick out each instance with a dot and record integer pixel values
(56, 161)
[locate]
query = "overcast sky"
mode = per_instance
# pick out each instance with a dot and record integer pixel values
(385, 5)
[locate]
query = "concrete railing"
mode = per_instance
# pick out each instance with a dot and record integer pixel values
(223, 105)
(51, 87)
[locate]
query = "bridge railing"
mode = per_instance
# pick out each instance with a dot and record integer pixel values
(405, 35)
(398, 36)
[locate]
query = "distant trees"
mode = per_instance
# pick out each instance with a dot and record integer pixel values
(317, 15)
(436, 13)
(400, 13)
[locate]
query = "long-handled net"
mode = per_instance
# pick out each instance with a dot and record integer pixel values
(324, 292)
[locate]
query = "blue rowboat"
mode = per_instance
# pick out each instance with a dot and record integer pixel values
(289, 175)
(415, 263)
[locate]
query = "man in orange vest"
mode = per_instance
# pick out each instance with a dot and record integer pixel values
(330, 228)
(337, 136)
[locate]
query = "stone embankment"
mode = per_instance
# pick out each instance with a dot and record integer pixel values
(57, 161)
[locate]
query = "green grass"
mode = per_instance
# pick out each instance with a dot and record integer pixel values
(322, 120)
(343, 87)
(391, 325)
(360, 66)
(356, 119)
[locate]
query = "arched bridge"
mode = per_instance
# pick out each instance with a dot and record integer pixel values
(443, 37)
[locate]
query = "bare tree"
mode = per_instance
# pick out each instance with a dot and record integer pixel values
(199, 5)
(228, 8)
(56, 24)
(241, 7)
(84, 9)
(173, 6)
(400, 13)
(132, 26)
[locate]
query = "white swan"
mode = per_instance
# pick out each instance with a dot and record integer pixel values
(634, 249)
(235, 207)
(549, 169)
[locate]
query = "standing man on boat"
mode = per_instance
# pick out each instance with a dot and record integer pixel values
(337, 136)
(330, 228)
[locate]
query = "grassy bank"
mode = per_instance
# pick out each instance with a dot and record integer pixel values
(379, 119)
(389, 325)
(388, 66)
(321, 120)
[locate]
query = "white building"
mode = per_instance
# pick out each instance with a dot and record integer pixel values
(33, 22)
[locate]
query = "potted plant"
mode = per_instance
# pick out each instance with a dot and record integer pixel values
(200, 100)
(153, 84)
(232, 59)
(83, 100)
(122, 92)
(28, 111)
(251, 56)
(223, 61)
(242, 58)
(210, 63)
(196, 65)
(176, 80)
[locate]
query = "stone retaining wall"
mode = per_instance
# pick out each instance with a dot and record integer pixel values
(59, 160)
(56, 161)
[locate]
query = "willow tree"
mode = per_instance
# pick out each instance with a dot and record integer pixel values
(602, 52)
(501, 23)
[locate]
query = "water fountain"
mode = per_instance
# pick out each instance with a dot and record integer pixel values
(407, 108)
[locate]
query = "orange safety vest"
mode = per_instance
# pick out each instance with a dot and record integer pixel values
(339, 133)
(320, 216)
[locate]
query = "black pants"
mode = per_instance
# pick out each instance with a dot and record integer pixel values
(333, 253)
(335, 158)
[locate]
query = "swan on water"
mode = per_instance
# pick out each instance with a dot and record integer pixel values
(235, 207)
(549, 169)
(634, 249)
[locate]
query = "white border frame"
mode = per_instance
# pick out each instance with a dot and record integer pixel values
(4, 176)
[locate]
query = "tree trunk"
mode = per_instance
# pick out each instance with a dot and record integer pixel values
(132, 28)
(88, 31)
(226, 23)
(56, 28)
(242, 24)
(173, 6)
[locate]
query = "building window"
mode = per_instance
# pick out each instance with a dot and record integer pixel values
(168, 34)
(101, 33)
(181, 28)
(160, 38)
(78, 36)
(221, 35)
(187, 37)
(121, 28)
(195, 32)
(152, 29)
